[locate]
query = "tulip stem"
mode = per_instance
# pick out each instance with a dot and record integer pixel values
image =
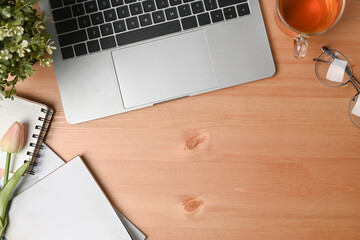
(7, 166)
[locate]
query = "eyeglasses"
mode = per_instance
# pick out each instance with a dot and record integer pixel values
(333, 69)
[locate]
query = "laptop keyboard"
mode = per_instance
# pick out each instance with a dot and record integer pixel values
(85, 26)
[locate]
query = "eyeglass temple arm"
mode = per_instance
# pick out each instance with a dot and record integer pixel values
(326, 49)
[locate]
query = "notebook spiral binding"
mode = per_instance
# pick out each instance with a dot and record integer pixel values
(38, 137)
(46, 111)
(40, 128)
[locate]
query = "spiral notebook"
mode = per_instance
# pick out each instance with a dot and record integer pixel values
(67, 204)
(36, 118)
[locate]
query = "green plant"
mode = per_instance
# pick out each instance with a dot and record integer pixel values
(23, 41)
(5, 194)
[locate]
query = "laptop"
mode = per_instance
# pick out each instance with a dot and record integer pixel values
(115, 56)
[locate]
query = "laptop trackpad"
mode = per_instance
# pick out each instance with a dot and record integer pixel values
(164, 69)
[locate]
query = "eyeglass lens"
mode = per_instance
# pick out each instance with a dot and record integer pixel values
(354, 110)
(333, 69)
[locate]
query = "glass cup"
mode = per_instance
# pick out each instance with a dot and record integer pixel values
(304, 18)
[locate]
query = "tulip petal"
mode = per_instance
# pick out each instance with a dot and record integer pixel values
(14, 139)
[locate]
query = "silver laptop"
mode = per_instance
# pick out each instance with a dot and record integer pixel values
(116, 56)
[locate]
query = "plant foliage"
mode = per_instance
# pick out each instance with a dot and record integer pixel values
(5, 194)
(23, 41)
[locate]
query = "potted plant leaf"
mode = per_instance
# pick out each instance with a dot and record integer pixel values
(23, 42)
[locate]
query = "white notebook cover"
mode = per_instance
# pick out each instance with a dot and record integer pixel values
(68, 204)
(29, 114)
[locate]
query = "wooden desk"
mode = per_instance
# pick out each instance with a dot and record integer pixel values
(275, 159)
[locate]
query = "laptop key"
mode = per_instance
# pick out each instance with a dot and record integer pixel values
(210, 4)
(116, 3)
(136, 9)
(149, 5)
(204, 19)
(93, 32)
(175, 2)
(69, 2)
(186, 1)
(119, 26)
(84, 21)
(80, 49)
(148, 32)
(106, 29)
(217, 16)
(71, 38)
(184, 10)
(243, 9)
(145, 20)
(61, 14)
(93, 46)
(91, 7)
(162, 4)
(78, 10)
(123, 12)
(110, 15)
(66, 26)
(229, 12)
(103, 4)
(130, 1)
(55, 3)
(67, 52)
(171, 13)
(97, 18)
(225, 3)
(189, 22)
(197, 7)
(108, 42)
(132, 23)
(158, 16)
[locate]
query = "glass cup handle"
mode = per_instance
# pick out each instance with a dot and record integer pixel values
(300, 46)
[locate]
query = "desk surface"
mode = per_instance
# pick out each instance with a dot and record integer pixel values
(274, 159)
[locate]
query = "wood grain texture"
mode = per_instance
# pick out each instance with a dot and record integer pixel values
(275, 159)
